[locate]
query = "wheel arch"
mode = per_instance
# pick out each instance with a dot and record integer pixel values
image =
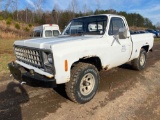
(146, 48)
(94, 60)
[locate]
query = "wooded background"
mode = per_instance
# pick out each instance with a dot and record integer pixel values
(36, 15)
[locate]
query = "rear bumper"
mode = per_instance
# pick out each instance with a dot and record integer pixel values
(21, 74)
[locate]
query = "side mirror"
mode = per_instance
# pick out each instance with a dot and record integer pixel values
(123, 33)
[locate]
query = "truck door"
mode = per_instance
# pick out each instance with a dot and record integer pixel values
(120, 48)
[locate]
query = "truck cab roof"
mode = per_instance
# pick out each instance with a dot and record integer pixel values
(46, 30)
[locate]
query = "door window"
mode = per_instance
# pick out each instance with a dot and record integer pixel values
(115, 25)
(37, 33)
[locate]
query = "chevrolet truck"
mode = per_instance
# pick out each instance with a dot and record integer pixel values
(97, 42)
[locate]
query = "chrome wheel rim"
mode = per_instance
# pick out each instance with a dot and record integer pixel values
(142, 60)
(87, 84)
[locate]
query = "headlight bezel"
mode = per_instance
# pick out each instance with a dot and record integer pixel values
(48, 64)
(50, 58)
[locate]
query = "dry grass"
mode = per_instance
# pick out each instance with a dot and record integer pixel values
(10, 32)
(8, 35)
(5, 59)
(6, 46)
(6, 54)
(156, 40)
(12, 26)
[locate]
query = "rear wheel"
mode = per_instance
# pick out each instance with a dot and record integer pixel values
(140, 62)
(83, 83)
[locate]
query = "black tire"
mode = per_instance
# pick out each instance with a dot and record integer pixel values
(83, 84)
(138, 63)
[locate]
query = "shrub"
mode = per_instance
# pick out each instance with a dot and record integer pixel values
(9, 21)
(26, 29)
(1, 18)
(17, 26)
(30, 25)
(9, 18)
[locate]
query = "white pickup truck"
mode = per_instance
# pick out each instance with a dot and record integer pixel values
(76, 57)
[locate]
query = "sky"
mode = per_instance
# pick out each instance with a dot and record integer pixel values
(147, 8)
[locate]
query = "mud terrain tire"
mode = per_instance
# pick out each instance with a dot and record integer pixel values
(83, 84)
(140, 62)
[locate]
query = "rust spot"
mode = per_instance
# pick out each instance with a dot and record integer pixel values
(106, 67)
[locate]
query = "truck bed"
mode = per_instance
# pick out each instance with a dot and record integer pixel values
(140, 40)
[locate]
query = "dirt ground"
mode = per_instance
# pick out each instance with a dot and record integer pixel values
(124, 94)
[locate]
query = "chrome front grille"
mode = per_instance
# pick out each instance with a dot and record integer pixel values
(29, 56)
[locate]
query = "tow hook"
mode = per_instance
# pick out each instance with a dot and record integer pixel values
(23, 83)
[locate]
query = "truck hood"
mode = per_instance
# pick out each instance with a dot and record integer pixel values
(46, 43)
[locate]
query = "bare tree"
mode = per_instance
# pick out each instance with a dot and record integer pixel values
(14, 7)
(98, 4)
(0, 5)
(56, 13)
(38, 4)
(7, 4)
(73, 6)
(30, 12)
(16, 4)
(85, 8)
(27, 17)
(26, 14)
(158, 25)
(38, 7)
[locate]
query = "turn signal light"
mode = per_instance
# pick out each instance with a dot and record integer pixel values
(66, 65)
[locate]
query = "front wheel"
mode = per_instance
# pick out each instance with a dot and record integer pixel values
(140, 62)
(83, 83)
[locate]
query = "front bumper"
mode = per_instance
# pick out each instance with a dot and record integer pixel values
(29, 76)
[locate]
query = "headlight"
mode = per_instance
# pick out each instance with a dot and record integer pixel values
(50, 59)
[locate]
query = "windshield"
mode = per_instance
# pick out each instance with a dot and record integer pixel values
(48, 33)
(94, 25)
(56, 32)
(51, 33)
